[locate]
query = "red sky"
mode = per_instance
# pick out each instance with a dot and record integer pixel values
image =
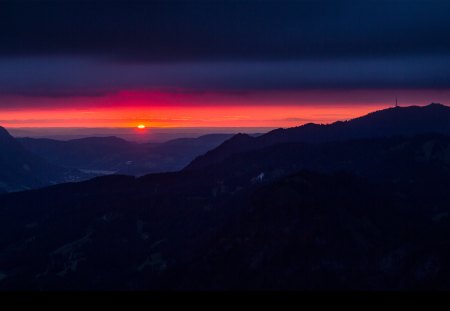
(190, 109)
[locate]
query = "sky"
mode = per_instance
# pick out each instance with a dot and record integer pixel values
(182, 64)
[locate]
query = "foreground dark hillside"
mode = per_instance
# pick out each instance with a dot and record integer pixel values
(334, 232)
(375, 217)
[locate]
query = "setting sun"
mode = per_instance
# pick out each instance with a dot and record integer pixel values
(141, 126)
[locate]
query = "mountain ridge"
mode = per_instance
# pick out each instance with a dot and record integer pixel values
(397, 121)
(119, 156)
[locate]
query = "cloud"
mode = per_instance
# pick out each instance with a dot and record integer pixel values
(76, 77)
(57, 49)
(180, 31)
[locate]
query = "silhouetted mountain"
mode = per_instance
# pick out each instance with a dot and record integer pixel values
(85, 153)
(20, 169)
(174, 155)
(398, 121)
(253, 221)
(115, 155)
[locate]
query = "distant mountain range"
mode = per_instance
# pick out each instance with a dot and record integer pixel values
(107, 155)
(365, 211)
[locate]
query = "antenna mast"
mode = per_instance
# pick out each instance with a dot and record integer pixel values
(396, 102)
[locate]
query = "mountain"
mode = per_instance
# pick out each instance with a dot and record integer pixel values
(173, 155)
(381, 159)
(20, 169)
(373, 216)
(331, 232)
(398, 121)
(114, 155)
(93, 153)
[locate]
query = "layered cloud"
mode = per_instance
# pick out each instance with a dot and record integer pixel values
(69, 77)
(81, 48)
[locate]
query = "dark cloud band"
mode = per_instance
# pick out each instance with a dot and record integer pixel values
(171, 31)
(68, 77)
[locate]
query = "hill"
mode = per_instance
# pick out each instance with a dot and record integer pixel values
(398, 121)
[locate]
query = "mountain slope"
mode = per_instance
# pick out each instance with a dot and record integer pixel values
(399, 121)
(331, 232)
(21, 170)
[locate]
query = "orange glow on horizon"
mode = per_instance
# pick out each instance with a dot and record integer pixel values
(168, 117)
(129, 109)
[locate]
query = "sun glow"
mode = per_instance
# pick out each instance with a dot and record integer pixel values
(141, 126)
